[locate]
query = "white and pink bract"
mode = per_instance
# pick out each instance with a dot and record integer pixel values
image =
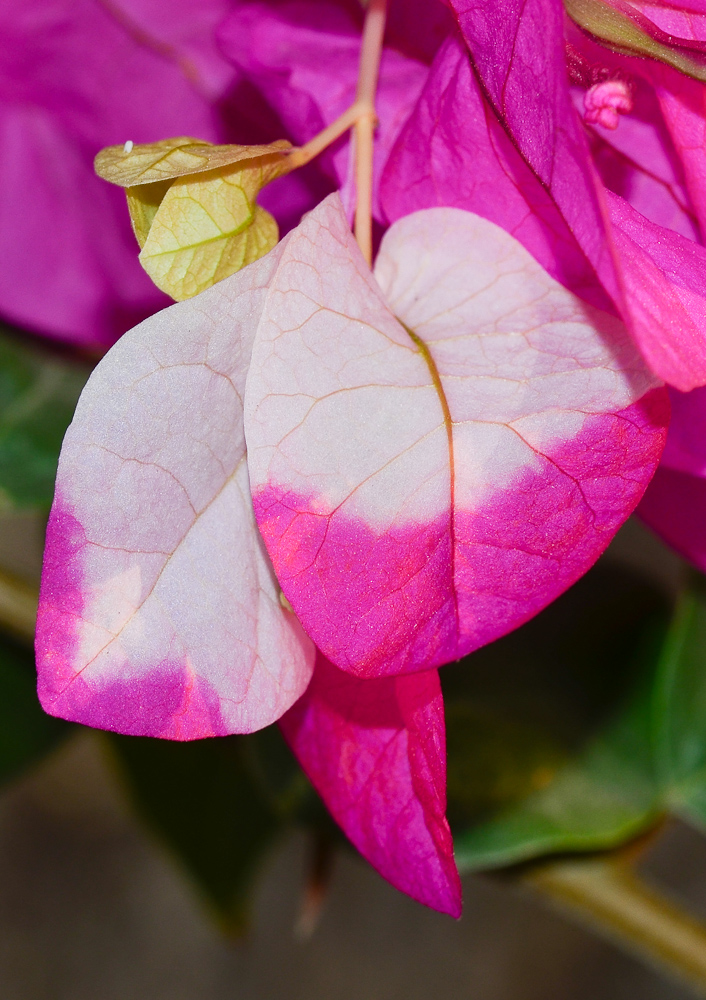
(435, 451)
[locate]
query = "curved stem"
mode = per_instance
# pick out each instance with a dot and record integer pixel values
(298, 157)
(362, 118)
(609, 897)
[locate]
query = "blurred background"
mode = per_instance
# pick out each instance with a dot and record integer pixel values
(95, 903)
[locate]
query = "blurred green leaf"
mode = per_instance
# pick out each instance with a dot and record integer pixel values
(218, 805)
(202, 801)
(38, 394)
(549, 729)
(604, 796)
(26, 732)
(679, 707)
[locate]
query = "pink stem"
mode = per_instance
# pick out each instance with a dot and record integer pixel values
(371, 51)
(298, 157)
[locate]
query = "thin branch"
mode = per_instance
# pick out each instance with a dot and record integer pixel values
(370, 54)
(362, 118)
(298, 157)
(18, 607)
(610, 898)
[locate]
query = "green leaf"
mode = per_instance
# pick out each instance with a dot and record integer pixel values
(38, 395)
(26, 732)
(549, 729)
(679, 707)
(218, 804)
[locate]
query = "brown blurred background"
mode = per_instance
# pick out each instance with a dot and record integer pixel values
(91, 907)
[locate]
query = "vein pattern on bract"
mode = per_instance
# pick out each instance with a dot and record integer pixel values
(160, 614)
(557, 425)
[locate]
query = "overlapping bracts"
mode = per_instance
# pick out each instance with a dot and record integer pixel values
(435, 452)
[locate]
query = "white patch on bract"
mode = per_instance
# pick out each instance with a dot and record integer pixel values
(340, 406)
(522, 360)
(153, 467)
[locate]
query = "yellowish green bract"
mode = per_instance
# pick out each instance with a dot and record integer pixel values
(193, 207)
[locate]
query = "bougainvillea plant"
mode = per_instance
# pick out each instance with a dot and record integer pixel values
(366, 449)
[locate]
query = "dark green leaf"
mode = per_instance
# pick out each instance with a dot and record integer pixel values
(38, 394)
(218, 804)
(26, 732)
(549, 728)
(679, 706)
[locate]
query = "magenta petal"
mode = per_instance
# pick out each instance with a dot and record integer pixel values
(453, 152)
(375, 752)
(674, 507)
(682, 103)
(664, 277)
(518, 48)
(75, 77)
(685, 449)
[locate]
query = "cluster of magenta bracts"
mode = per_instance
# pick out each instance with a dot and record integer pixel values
(416, 494)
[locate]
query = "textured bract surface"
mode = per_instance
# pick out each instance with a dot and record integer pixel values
(434, 456)
(424, 488)
(159, 612)
(207, 227)
(376, 753)
(655, 277)
(170, 158)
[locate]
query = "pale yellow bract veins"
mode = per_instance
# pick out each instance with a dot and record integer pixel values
(172, 158)
(193, 207)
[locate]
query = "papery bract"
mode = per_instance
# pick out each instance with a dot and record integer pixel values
(436, 457)
(159, 612)
(209, 226)
(674, 505)
(453, 152)
(193, 207)
(519, 51)
(171, 158)
(375, 751)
